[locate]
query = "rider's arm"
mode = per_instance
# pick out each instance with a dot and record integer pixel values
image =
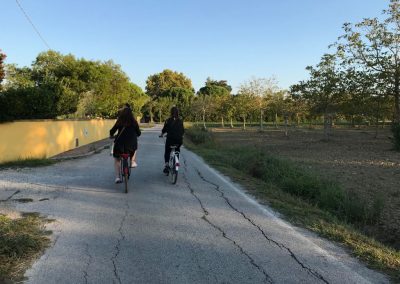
(165, 128)
(113, 130)
(137, 129)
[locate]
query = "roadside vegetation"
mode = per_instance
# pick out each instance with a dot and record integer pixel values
(303, 196)
(27, 163)
(21, 241)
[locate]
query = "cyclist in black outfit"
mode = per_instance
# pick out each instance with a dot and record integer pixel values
(173, 126)
(126, 139)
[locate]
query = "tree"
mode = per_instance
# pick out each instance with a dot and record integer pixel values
(219, 93)
(71, 87)
(158, 84)
(162, 107)
(203, 106)
(210, 83)
(183, 98)
(136, 98)
(298, 104)
(257, 89)
(244, 104)
(323, 91)
(375, 45)
(276, 105)
(18, 77)
(2, 72)
(230, 109)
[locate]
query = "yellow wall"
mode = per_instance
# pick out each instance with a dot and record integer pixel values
(47, 138)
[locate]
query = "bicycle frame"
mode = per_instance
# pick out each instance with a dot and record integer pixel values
(125, 169)
(174, 158)
(173, 165)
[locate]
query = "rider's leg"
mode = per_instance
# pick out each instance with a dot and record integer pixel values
(117, 168)
(166, 156)
(133, 159)
(167, 151)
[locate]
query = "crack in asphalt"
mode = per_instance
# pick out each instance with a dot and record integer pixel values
(117, 246)
(11, 196)
(268, 279)
(280, 245)
(85, 273)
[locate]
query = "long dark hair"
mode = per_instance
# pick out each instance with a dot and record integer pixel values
(126, 118)
(174, 112)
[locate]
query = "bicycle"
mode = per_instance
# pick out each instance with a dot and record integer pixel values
(125, 169)
(173, 163)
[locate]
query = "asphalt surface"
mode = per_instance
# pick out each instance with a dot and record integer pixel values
(204, 229)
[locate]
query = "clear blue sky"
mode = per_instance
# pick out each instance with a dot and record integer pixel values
(229, 40)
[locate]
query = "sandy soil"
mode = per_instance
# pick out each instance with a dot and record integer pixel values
(361, 163)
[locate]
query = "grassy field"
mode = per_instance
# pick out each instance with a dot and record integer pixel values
(302, 177)
(21, 241)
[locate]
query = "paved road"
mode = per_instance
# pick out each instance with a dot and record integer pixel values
(204, 229)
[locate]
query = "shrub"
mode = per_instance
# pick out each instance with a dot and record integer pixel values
(198, 135)
(303, 183)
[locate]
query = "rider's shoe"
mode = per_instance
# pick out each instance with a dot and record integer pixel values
(118, 180)
(133, 164)
(166, 170)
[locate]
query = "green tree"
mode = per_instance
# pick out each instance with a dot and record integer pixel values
(374, 45)
(71, 87)
(2, 72)
(277, 105)
(158, 84)
(203, 106)
(219, 93)
(183, 97)
(257, 89)
(244, 105)
(210, 83)
(324, 90)
(162, 107)
(18, 77)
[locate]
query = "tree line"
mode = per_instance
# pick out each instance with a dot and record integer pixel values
(359, 82)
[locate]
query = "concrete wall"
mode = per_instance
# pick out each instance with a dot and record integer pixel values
(46, 138)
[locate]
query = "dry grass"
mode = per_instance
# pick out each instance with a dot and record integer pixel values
(21, 241)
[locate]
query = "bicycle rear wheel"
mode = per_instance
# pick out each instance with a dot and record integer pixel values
(125, 173)
(174, 176)
(126, 182)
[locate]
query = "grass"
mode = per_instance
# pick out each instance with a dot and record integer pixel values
(302, 196)
(21, 241)
(27, 162)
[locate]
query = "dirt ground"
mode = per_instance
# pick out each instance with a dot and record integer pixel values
(359, 162)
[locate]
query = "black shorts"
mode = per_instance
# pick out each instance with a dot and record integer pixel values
(117, 153)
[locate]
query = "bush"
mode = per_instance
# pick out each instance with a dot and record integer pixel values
(198, 135)
(303, 183)
(396, 135)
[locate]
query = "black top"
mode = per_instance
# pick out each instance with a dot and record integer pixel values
(174, 129)
(126, 139)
